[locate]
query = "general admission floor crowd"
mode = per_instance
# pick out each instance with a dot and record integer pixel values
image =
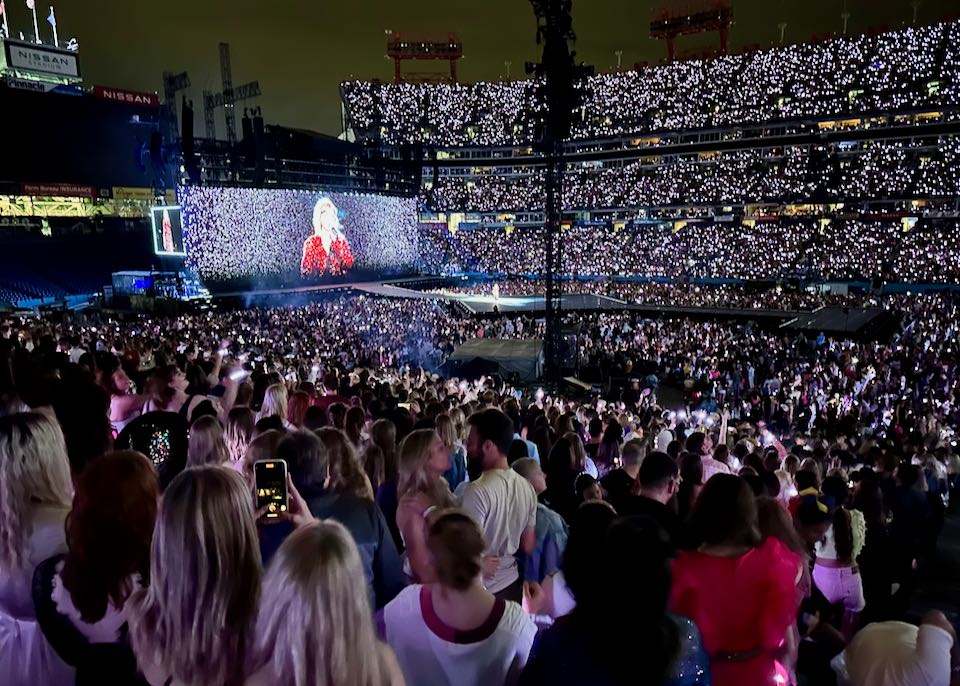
(769, 530)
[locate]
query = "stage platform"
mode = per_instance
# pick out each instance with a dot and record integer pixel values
(487, 304)
(830, 320)
(851, 321)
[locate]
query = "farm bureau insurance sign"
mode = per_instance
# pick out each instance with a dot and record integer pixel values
(41, 59)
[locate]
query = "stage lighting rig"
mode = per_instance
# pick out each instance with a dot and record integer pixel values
(560, 95)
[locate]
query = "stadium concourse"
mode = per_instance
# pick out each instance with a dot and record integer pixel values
(750, 476)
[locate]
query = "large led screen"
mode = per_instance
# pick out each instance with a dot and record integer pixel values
(238, 233)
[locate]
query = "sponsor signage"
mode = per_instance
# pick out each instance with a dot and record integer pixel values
(42, 86)
(41, 59)
(125, 96)
(66, 190)
(130, 193)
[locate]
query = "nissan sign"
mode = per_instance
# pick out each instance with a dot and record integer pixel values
(125, 96)
(42, 59)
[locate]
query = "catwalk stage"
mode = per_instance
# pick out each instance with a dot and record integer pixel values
(857, 322)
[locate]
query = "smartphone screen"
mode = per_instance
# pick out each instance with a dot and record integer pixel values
(270, 480)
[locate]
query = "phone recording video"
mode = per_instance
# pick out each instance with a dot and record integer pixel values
(270, 482)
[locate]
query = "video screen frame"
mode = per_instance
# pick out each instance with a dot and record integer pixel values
(169, 211)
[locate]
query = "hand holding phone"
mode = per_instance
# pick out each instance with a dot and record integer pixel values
(270, 486)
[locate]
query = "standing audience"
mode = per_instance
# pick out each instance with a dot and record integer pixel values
(501, 501)
(35, 496)
(455, 632)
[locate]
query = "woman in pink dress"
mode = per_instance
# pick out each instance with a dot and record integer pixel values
(739, 590)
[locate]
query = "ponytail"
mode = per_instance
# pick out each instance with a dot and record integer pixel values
(843, 535)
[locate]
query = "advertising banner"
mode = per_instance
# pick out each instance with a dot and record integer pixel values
(41, 59)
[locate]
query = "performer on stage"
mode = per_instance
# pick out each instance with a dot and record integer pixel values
(327, 248)
(496, 291)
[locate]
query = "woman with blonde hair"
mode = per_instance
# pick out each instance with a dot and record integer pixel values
(421, 490)
(315, 623)
(239, 433)
(192, 624)
(346, 472)
(35, 497)
(456, 474)
(206, 444)
(275, 404)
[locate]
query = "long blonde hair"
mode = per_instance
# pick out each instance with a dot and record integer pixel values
(239, 431)
(346, 472)
(459, 422)
(195, 618)
(315, 626)
(34, 470)
(447, 430)
(207, 445)
(274, 402)
(414, 477)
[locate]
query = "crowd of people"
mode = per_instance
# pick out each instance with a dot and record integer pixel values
(925, 251)
(770, 529)
(872, 170)
(905, 69)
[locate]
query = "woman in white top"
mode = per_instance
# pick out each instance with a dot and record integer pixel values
(315, 626)
(421, 489)
(35, 496)
(124, 406)
(835, 571)
(191, 626)
(454, 631)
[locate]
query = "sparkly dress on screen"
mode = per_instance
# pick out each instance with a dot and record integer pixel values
(167, 231)
(327, 249)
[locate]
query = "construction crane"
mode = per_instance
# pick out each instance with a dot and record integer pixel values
(227, 98)
(172, 84)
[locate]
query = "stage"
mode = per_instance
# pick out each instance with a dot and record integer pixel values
(487, 304)
(859, 322)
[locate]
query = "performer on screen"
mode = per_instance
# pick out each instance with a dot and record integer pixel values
(167, 232)
(327, 250)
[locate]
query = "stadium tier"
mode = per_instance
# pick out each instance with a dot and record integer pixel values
(915, 68)
(921, 252)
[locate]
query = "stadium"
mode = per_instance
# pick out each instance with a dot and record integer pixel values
(453, 375)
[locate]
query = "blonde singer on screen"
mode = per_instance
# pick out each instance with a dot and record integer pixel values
(327, 250)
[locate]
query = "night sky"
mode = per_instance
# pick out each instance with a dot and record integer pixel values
(301, 49)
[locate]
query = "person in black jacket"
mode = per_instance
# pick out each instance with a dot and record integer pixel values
(659, 480)
(308, 466)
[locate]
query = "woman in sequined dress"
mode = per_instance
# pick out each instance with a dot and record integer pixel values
(327, 249)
